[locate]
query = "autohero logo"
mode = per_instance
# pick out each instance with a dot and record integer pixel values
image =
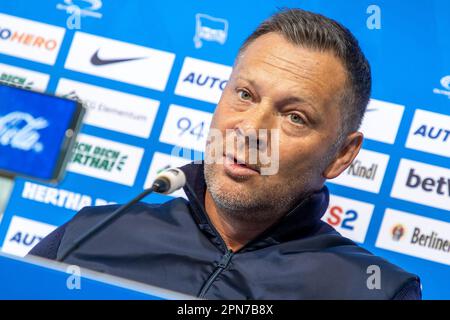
(415, 235)
(430, 132)
(23, 234)
(105, 159)
(20, 130)
(202, 80)
(445, 83)
(422, 183)
(30, 39)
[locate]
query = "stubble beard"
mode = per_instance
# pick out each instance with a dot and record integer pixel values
(258, 205)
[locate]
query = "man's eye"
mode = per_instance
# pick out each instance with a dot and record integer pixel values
(295, 118)
(244, 95)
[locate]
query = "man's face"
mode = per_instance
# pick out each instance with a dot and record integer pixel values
(277, 85)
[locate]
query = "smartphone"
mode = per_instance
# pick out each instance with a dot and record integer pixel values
(37, 132)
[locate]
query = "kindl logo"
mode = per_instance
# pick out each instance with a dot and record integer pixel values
(359, 170)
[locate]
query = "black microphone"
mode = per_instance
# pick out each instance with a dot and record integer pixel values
(166, 182)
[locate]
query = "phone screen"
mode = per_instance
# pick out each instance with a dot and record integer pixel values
(36, 133)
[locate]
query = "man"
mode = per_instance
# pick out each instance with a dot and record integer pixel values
(243, 234)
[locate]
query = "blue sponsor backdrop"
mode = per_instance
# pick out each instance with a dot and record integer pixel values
(406, 42)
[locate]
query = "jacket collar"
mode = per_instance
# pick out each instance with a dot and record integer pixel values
(302, 221)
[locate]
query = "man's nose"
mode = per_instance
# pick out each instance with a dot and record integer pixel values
(255, 119)
(260, 116)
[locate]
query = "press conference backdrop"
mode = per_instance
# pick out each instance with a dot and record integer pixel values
(150, 74)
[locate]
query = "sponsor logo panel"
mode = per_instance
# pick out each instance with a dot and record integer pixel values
(30, 39)
(186, 127)
(120, 61)
(23, 78)
(422, 183)
(415, 235)
(23, 234)
(111, 109)
(430, 132)
(105, 159)
(349, 217)
(202, 80)
(365, 173)
(382, 120)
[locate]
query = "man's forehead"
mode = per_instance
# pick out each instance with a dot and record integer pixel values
(274, 50)
(276, 59)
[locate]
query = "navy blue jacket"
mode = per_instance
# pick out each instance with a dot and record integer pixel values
(174, 245)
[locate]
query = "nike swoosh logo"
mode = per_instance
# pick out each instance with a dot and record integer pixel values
(97, 61)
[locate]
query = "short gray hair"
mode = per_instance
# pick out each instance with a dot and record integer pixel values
(315, 31)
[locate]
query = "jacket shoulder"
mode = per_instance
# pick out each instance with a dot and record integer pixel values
(355, 273)
(87, 217)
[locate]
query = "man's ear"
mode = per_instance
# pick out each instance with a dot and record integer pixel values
(345, 155)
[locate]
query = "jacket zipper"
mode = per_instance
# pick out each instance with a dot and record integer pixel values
(224, 262)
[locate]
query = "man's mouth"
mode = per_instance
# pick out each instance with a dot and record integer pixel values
(238, 168)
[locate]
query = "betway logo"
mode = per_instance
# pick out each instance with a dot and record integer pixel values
(422, 183)
(19, 130)
(428, 184)
(366, 172)
(430, 132)
(202, 80)
(23, 234)
(30, 39)
(420, 236)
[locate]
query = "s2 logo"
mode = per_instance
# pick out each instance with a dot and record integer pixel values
(343, 219)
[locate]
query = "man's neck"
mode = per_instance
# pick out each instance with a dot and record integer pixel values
(235, 233)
